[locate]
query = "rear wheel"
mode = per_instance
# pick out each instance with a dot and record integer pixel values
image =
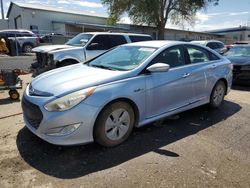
(114, 124)
(27, 48)
(218, 94)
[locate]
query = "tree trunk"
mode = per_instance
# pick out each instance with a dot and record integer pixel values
(161, 32)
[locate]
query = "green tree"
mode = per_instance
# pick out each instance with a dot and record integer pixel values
(155, 12)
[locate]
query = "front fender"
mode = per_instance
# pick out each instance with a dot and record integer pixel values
(77, 55)
(132, 89)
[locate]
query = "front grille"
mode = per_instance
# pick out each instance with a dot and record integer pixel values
(42, 59)
(32, 113)
(237, 69)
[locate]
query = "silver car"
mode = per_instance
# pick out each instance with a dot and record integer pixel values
(216, 45)
(129, 86)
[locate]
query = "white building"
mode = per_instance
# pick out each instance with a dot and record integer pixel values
(45, 19)
(241, 33)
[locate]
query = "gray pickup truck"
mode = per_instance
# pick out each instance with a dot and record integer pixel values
(26, 39)
(81, 48)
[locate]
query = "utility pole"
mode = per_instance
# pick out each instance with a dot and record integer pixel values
(2, 11)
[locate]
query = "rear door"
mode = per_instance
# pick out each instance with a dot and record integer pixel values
(102, 43)
(201, 62)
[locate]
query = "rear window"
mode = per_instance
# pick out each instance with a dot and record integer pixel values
(212, 45)
(135, 38)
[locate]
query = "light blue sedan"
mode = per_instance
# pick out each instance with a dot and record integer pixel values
(129, 86)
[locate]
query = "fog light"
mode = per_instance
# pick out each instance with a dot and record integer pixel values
(63, 131)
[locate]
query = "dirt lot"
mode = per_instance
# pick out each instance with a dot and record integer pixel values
(203, 148)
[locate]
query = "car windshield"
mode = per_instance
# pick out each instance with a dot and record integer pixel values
(238, 51)
(79, 40)
(123, 58)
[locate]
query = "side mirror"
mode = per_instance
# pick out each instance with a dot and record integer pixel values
(158, 67)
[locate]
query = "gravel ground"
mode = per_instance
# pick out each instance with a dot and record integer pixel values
(203, 148)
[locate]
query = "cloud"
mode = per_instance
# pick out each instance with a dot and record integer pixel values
(201, 17)
(238, 13)
(221, 25)
(87, 4)
(63, 2)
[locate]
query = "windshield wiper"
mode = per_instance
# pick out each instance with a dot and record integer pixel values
(103, 67)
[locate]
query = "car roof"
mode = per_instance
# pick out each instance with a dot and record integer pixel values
(111, 33)
(16, 30)
(205, 41)
(155, 43)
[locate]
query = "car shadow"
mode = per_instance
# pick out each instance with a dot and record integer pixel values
(76, 161)
(241, 87)
(8, 101)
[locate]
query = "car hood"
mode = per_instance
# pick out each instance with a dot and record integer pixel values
(68, 79)
(48, 48)
(243, 60)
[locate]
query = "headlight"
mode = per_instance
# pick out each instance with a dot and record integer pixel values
(69, 101)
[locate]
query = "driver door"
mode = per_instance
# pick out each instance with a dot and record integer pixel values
(171, 90)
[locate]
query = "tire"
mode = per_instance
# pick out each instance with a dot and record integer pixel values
(14, 95)
(218, 94)
(114, 124)
(27, 48)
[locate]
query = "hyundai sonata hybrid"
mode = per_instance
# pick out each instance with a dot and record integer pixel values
(129, 86)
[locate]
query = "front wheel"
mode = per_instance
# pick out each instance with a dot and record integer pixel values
(114, 124)
(218, 94)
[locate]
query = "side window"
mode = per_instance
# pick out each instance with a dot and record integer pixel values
(10, 34)
(116, 40)
(100, 42)
(25, 34)
(135, 38)
(173, 56)
(220, 45)
(197, 55)
(212, 45)
(213, 57)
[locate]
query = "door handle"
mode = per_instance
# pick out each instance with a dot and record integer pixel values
(214, 66)
(185, 75)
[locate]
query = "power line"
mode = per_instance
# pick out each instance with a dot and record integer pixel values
(2, 11)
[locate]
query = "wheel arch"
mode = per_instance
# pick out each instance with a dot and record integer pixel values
(74, 61)
(122, 99)
(225, 82)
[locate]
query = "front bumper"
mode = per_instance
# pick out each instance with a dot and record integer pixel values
(241, 73)
(82, 114)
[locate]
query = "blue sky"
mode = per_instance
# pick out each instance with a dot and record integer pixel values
(229, 13)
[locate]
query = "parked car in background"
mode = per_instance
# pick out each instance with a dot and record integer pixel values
(81, 48)
(26, 39)
(216, 45)
(239, 55)
(131, 85)
(49, 37)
